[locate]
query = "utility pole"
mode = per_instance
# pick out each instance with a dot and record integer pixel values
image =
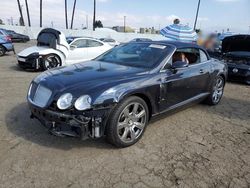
(66, 14)
(41, 13)
(124, 22)
(28, 13)
(20, 10)
(94, 15)
(197, 14)
(73, 14)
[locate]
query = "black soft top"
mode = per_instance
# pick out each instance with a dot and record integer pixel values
(48, 37)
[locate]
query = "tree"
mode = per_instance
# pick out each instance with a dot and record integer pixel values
(21, 22)
(98, 24)
(1, 22)
(66, 13)
(94, 21)
(73, 14)
(41, 13)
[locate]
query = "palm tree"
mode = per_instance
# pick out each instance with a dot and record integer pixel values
(41, 13)
(21, 13)
(66, 14)
(94, 15)
(28, 14)
(73, 14)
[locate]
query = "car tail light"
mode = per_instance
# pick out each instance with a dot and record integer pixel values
(8, 38)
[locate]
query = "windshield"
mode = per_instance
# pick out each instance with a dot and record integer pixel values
(142, 55)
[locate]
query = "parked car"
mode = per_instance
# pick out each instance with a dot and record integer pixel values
(110, 41)
(15, 37)
(140, 40)
(119, 92)
(53, 50)
(5, 45)
(236, 53)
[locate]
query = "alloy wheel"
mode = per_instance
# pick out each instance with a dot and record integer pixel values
(218, 90)
(131, 122)
(51, 62)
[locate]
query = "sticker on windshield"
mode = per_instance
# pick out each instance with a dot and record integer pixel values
(157, 46)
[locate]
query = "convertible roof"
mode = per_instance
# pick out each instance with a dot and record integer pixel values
(178, 44)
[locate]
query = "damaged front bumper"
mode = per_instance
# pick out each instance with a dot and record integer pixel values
(88, 124)
(33, 61)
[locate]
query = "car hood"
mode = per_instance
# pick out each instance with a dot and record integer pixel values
(88, 77)
(30, 50)
(236, 43)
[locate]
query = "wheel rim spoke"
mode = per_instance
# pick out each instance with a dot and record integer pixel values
(132, 133)
(125, 133)
(122, 125)
(139, 125)
(141, 114)
(135, 108)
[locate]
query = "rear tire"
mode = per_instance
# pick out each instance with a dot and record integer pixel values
(2, 51)
(216, 92)
(127, 122)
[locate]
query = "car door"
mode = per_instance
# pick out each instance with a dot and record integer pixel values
(202, 73)
(96, 48)
(78, 51)
(183, 84)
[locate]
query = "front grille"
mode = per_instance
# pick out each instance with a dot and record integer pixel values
(39, 95)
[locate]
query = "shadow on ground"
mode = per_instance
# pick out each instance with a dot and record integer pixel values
(19, 123)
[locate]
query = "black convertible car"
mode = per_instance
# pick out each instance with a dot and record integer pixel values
(236, 53)
(118, 93)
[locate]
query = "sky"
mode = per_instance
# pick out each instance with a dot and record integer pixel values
(214, 14)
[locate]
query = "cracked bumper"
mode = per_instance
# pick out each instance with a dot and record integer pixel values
(89, 124)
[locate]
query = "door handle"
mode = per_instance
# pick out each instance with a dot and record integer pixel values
(201, 71)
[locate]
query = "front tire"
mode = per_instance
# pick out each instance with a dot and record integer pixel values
(51, 61)
(216, 91)
(2, 51)
(128, 122)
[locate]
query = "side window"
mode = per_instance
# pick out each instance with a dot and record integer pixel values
(81, 43)
(93, 43)
(203, 56)
(190, 55)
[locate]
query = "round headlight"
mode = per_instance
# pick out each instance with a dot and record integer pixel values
(65, 101)
(83, 103)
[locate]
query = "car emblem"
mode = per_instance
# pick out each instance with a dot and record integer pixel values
(235, 70)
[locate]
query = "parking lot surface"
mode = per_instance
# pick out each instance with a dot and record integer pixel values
(201, 146)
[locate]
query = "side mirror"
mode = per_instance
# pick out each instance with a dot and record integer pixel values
(179, 64)
(72, 47)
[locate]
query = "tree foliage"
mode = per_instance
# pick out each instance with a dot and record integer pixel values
(98, 24)
(1, 22)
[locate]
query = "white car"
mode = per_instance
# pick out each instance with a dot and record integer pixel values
(53, 50)
(110, 41)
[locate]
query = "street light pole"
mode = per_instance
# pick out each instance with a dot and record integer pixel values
(124, 24)
(197, 14)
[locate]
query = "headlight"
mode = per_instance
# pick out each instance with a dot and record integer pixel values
(83, 103)
(65, 101)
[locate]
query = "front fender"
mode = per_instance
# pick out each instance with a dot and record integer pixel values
(147, 88)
